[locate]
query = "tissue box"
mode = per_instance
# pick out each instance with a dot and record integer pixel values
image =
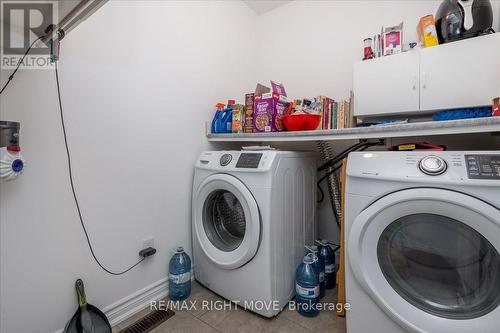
(270, 105)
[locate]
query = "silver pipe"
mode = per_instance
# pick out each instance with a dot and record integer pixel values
(80, 13)
(332, 182)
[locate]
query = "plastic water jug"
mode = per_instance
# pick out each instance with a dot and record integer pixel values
(319, 265)
(179, 275)
(326, 252)
(307, 287)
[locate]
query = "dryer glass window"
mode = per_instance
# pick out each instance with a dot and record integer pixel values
(224, 220)
(441, 266)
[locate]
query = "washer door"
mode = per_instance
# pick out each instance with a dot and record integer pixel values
(226, 221)
(429, 258)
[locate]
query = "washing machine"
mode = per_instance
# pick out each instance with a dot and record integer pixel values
(252, 214)
(423, 242)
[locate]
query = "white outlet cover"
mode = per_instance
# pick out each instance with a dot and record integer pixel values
(148, 242)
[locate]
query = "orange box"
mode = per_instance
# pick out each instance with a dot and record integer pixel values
(426, 30)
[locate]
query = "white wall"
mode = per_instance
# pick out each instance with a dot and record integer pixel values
(138, 81)
(310, 46)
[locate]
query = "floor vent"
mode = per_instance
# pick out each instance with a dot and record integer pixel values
(149, 322)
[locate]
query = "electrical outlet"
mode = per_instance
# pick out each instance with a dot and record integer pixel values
(148, 242)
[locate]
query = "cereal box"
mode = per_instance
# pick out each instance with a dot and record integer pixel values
(238, 117)
(248, 125)
(270, 105)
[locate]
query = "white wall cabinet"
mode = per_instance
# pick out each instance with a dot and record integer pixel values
(383, 85)
(455, 75)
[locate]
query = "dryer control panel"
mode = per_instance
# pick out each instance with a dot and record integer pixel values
(249, 160)
(483, 166)
(443, 167)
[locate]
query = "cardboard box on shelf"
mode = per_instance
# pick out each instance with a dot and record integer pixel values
(270, 105)
(248, 126)
(426, 30)
(238, 118)
(496, 107)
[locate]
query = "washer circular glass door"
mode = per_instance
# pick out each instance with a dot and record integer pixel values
(430, 259)
(226, 221)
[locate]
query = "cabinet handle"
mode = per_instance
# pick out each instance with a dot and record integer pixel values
(424, 80)
(414, 77)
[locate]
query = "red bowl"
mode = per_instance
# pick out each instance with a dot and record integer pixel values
(301, 122)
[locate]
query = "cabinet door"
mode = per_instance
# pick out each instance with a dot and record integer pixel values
(460, 74)
(387, 85)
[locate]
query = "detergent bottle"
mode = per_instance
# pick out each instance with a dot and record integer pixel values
(326, 252)
(179, 275)
(307, 287)
(319, 265)
(227, 117)
(216, 122)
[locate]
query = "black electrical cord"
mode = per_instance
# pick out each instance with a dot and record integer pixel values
(322, 193)
(336, 163)
(20, 63)
(341, 156)
(70, 171)
(336, 168)
(329, 173)
(359, 146)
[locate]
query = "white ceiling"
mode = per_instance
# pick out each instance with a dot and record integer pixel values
(264, 6)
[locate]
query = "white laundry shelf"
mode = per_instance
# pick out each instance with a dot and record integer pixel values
(462, 126)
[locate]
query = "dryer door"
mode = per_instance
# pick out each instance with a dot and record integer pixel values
(430, 259)
(226, 221)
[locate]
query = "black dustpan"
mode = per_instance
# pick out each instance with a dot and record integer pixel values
(87, 318)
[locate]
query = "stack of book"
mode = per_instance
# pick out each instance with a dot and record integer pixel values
(335, 114)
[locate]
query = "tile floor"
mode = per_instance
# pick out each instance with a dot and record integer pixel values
(200, 320)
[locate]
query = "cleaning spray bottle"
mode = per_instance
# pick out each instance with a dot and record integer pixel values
(216, 122)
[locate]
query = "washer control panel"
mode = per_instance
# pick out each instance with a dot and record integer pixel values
(484, 166)
(249, 160)
(432, 165)
(225, 159)
(234, 160)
